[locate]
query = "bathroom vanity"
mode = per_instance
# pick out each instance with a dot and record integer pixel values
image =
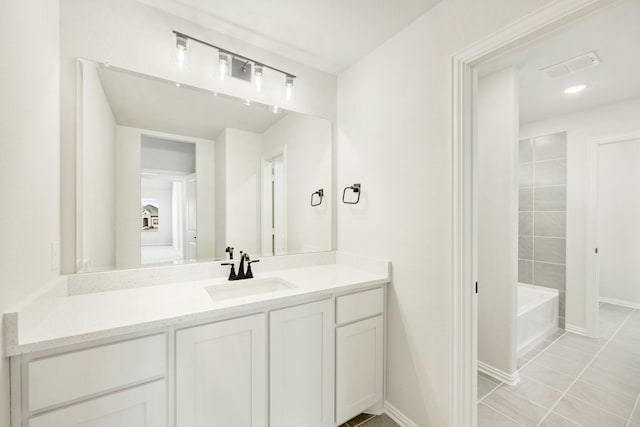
(300, 344)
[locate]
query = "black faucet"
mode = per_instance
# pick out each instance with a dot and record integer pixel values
(241, 273)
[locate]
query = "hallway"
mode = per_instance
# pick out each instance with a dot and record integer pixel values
(573, 380)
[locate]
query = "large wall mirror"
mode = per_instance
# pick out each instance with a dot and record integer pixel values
(171, 174)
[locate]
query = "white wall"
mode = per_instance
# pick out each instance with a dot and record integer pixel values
(29, 152)
(134, 36)
(98, 173)
(394, 137)
(220, 192)
(308, 142)
(582, 128)
(619, 221)
(242, 151)
(497, 192)
(161, 190)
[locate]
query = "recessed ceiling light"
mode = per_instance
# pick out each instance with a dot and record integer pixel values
(575, 89)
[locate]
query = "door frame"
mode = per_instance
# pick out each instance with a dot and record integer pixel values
(593, 264)
(267, 159)
(543, 21)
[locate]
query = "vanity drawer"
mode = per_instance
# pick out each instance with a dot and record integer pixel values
(70, 376)
(357, 306)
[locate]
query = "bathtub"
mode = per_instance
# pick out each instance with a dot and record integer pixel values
(537, 315)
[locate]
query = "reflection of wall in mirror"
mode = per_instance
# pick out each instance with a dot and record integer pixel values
(239, 159)
(97, 195)
(308, 146)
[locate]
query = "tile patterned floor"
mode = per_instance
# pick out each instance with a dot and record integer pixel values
(365, 420)
(570, 380)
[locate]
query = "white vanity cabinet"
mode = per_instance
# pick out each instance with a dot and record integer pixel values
(359, 353)
(122, 383)
(141, 406)
(301, 365)
(221, 374)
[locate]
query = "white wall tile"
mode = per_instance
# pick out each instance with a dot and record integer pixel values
(551, 172)
(550, 147)
(526, 151)
(550, 249)
(550, 198)
(525, 200)
(550, 224)
(549, 275)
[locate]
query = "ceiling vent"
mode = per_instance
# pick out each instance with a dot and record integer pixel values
(572, 65)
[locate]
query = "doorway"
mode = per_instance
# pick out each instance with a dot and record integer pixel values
(465, 225)
(274, 205)
(614, 229)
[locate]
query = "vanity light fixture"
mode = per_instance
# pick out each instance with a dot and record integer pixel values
(575, 89)
(223, 65)
(288, 87)
(181, 49)
(258, 72)
(227, 61)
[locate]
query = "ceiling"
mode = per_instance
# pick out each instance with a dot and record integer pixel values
(147, 103)
(613, 33)
(329, 35)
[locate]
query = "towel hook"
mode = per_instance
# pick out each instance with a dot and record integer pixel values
(356, 189)
(320, 194)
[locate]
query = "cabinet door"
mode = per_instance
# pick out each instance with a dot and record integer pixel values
(221, 374)
(302, 366)
(359, 367)
(142, 406)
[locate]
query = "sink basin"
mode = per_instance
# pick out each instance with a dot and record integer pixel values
(248, 287)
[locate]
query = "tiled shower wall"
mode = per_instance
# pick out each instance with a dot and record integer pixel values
(542, 216)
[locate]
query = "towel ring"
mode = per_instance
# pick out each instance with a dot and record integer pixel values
(320, 194)
(356, 189)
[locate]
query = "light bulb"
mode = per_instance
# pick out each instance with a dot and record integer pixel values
(575, 89)
(289, 87)
(274, 109)
(258, 72)
(223, 60)
(181, 50)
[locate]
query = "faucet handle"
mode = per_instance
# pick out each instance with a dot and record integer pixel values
(232, 273)
(249, 272)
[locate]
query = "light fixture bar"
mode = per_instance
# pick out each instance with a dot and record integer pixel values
(236, 55)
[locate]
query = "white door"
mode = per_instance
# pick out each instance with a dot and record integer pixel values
(359, 367)
(142, 406)
(302, 366)
(221, 374)
(192, 218)
(274, 206)
(619, 221)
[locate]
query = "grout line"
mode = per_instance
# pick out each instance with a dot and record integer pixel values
(492, 390)
(504, 415)
(585, 368)
(542, 351)
(633, 411)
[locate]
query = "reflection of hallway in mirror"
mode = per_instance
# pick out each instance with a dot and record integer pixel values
(168, 177)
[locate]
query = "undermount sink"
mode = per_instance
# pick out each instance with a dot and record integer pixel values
(248, 287)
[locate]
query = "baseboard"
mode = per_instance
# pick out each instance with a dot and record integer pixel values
(510, 379)
(623, 303)
(576, 329)
(401, 419)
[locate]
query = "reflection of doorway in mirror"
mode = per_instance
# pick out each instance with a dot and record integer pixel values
(274, 205)
(168, 179)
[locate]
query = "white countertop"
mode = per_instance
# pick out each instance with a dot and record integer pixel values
(74, 319)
